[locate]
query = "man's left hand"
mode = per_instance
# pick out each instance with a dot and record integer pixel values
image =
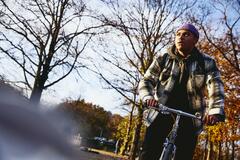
(212, 119)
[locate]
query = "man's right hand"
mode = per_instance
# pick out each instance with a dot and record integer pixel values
(151, 103)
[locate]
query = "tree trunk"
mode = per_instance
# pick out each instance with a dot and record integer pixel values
(40, 79)
(210, 151)
(205, 149)
(37, 91)
(124, 147)
(36, 95)
(219, 151)
(233, 150)
(227, 151)
(137, 133)
(232, 143)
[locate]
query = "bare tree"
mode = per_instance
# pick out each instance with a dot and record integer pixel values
(220, 22)
(139, 31)
(44, 39)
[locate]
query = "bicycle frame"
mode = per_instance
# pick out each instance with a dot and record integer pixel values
(169, 149)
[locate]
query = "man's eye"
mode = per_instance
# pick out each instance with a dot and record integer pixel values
(183, 34)
(186, 34)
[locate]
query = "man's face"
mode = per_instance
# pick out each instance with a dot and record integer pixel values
(185, 41)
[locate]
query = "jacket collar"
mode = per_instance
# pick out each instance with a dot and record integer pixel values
(194, 55)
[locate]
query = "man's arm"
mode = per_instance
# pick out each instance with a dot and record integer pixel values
(149, 81)
(215, 89)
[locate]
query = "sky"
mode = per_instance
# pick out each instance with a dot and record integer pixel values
(89, 88)
(72, 87)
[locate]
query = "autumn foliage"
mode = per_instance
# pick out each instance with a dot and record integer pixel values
(92, 120)
(222, 141)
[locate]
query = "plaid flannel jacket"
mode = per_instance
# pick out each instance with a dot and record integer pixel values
(204, 75)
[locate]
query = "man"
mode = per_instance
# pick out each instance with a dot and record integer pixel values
(179, 79)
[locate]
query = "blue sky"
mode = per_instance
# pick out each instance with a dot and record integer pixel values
(72, 87)
(88, 88)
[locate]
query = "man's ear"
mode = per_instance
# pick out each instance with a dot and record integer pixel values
(195, 40)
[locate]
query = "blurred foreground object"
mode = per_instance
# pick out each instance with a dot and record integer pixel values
(26, 133)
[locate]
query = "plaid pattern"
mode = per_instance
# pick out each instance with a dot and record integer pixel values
(161, 76)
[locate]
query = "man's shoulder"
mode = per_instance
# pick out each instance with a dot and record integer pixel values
(162, 58)
(162, 54)
(206, 57)
(209, 62)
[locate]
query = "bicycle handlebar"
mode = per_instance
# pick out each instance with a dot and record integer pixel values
(163, 108)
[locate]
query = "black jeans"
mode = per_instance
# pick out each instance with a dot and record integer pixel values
(157, 132)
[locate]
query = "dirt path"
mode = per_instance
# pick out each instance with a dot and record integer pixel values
(93, 154)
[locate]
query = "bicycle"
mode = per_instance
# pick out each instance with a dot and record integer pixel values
(169, 148)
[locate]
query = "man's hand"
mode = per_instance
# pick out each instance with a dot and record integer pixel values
(151, 103)
(212, 119)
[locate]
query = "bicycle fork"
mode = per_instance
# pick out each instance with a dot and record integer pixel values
(169, 149)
